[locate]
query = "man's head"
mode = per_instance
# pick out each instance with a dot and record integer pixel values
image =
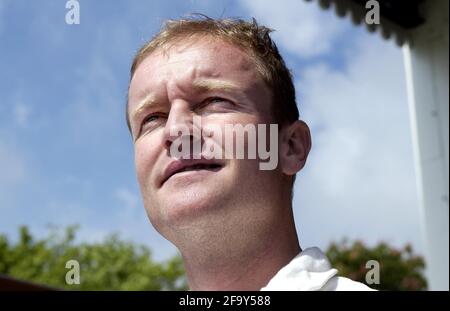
(250, 37)
(226, 72)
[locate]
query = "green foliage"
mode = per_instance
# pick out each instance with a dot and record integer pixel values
(399, 269)
(110, 265)
(118, 265)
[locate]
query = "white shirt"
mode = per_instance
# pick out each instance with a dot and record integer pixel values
(311, 270)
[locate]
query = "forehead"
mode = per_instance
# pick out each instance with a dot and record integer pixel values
(186, 61)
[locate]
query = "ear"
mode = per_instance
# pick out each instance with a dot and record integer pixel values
(295, 146)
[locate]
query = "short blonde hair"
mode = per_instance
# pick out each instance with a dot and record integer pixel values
(249, 36)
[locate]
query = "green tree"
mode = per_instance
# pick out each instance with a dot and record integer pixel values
(113, 264)
(399, 269)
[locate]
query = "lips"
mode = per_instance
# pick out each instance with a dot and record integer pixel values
(183, 165)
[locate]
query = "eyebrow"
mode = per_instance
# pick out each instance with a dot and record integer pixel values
(147, 101)
(204, 85)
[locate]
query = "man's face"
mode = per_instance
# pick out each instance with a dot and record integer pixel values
(219, 83)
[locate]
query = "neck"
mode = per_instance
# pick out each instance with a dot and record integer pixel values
(244, 261)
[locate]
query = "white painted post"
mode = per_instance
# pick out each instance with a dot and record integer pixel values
(426, 68)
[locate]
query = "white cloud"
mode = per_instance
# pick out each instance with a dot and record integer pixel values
(301, 27)
(359, 181)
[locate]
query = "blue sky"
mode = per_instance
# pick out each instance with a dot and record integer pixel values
(66, 156)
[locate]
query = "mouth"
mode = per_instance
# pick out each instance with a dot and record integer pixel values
(188, 167)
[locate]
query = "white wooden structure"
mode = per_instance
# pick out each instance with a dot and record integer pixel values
(426, 67)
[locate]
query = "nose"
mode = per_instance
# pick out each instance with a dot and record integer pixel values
(179, 124)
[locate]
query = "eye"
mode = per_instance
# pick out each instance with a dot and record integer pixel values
(150, 122)
(215, 100)
(150, 118)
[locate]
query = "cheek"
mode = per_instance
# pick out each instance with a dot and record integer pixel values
(144, 159)
(253, 143)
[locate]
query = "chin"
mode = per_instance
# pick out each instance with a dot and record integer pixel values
(188, 204)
